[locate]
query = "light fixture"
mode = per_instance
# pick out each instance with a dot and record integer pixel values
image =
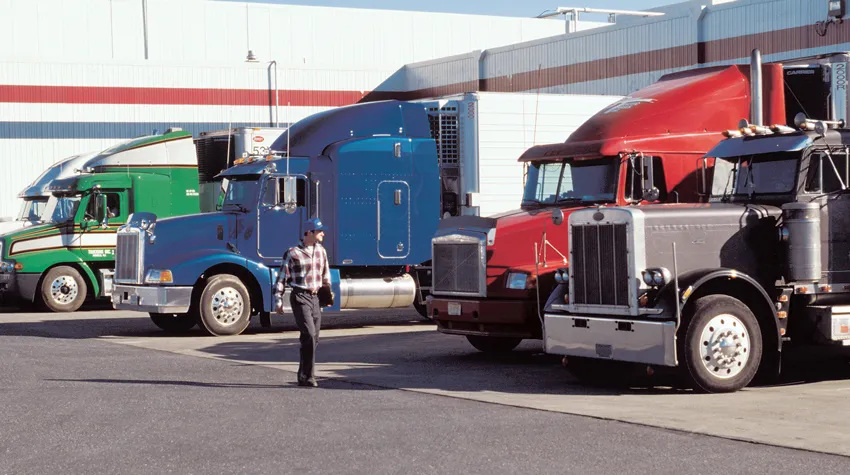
(251, 58)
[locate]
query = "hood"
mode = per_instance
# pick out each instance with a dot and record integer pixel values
(36, 237)
(9, 226)
(707, 236)
(181, 237)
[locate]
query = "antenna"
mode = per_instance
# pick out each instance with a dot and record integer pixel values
(288, 129)
(537, 103)
(229, 134)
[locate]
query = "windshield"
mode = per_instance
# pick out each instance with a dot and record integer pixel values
(31, 210)
(241, 192)
(585, 181)
(60, 209)
(750, 175)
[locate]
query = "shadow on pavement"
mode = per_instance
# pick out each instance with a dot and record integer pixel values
(92, 324)
(420, 358)
(176, 383)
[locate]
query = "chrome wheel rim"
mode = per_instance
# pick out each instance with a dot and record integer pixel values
(227, 306)
(724, 346)
(64, 290)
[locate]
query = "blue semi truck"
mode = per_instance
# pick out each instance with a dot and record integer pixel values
(374, 182)
(380, 175)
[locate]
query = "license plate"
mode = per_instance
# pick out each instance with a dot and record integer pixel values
(454, 308)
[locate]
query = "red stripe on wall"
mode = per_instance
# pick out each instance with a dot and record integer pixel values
(173, 96)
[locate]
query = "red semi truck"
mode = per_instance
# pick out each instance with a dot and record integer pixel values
(646, 148)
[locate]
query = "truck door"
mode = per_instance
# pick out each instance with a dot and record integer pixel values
(823, 181)
(393, 219)
(97, 241)
(277, 229)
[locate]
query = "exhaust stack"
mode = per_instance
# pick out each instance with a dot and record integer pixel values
(756, 102)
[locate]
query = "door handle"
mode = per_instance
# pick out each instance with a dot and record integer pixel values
(397, 197)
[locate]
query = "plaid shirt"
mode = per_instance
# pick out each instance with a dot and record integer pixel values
(305, 268)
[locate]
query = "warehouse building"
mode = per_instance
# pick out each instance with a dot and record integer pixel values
(78, 75)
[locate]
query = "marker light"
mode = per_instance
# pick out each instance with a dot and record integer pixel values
(156, 276)
(656, 276)
(517, 280)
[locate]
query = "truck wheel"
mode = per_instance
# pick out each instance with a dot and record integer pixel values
(174, 322)
(721, 348)
(492, 344)
(422, 310)
(63, 289)
(225, 306)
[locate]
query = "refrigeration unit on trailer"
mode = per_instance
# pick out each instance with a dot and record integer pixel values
(219, 149)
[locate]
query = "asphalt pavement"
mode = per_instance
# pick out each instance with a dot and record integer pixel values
(106, 392)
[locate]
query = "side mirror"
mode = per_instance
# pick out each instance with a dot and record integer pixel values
(103, 209)
(290, 194)
(557, 217)
(649, 191)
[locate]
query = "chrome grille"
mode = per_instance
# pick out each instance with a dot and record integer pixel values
(128, 258)
(600, 265)
(458, 269)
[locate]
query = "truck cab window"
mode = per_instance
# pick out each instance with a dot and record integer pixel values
(113, 206)
(635, 178)
(542, 184)
(273, 194)
(821, 177)
(761, 174)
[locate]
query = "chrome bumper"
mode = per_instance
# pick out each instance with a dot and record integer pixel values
(152, 299)
(613, 338)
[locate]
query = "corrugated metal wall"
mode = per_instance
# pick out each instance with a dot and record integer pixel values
(78, 75)
(635, 52)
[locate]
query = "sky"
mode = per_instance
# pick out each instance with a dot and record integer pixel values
(519, 8)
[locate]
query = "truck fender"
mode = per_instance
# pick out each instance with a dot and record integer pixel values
(697, 283)
(29, 293)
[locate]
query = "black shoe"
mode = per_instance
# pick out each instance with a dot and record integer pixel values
(308, 383)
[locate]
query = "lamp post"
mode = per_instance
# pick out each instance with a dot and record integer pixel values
(252, 58)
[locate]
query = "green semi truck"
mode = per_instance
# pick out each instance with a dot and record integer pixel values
(70, 256)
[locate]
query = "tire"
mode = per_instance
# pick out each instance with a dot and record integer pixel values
(224, 306)
(63, 289)
(601, 373)
(422, 310)
(265, 319)
(174, 322)
(716, 354)
(493, 344)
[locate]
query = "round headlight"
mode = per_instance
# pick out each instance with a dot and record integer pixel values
(647, 278)
(657, 278)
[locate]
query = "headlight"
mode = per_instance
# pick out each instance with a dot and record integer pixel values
(6, 267)
(656, 277)
(517, 280)
(156, 276)
(562, 275)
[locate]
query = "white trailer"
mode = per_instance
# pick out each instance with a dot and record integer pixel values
(480, 136)
(218, 149)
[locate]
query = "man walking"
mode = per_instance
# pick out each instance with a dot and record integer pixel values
(305, 268)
